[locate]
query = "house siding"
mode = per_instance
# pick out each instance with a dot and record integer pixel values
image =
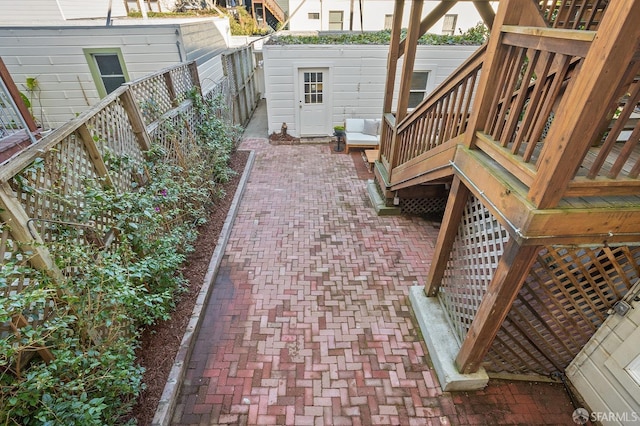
(28, 12)
(55, 56)
(357, 77)
(600, 388)
(373, 15)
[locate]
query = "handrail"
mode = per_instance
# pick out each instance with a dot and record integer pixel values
(443, 115)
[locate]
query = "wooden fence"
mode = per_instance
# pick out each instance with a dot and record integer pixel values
(40, 187)
(239, 67)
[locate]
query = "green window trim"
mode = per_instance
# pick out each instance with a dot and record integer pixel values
(90, 55)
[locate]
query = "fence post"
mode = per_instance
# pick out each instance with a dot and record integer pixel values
(135, 117)
(94, 153)
(195, 77)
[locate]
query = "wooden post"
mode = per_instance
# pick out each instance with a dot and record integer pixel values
(513, 267)
(411, 44)
(581, 109)
(168, 82)
(94, 153)
(136, 119)
(195, 77)
(392, 59)
(456, 203)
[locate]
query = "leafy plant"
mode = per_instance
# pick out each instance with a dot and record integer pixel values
(109, 291)
(475, 35)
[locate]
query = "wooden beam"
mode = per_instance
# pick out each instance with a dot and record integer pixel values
(512, 270)
(413, 34)
(581, 108)
(429, 21)
(392, 59)
(456, 204)
(17, 99)
(486, 12)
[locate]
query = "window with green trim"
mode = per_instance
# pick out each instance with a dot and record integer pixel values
(108, 69)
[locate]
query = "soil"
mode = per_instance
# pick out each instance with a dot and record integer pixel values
(283, 138)
(159, 343)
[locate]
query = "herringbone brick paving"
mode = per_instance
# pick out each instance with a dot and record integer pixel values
(309, 321)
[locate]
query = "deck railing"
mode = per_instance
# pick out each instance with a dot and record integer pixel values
(442, 116)
(438, 118)
(573, 14)
(534, 70)
(534, 79)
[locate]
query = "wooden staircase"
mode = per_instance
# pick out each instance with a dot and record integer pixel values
(537, 133)
(270, 11)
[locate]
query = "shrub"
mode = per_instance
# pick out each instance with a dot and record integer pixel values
(110, 293)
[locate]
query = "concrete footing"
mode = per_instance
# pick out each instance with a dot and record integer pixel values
(442, 344)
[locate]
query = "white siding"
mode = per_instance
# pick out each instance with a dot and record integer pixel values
(373, 14)
(29, 12)
(205, 44)
(604, 391)
(94, 9)
(20, 12)
(358, 76)
(55, 56)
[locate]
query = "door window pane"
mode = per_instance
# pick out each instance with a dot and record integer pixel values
(313, 87)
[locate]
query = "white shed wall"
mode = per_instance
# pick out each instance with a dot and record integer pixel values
(373, 14)
(612, 399)
(357, 78)
(54, 55)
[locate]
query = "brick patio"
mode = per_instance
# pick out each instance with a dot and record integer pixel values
(309, 321)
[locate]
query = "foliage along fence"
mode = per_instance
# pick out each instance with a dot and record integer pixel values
(96, 219)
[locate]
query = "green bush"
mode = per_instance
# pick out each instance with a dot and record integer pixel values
(110, 293)
(473, 36)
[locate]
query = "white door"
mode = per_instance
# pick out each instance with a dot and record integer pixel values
(313, 102)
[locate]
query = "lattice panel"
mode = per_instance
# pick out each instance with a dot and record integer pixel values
(182, 82)
(114, 136)
(17, 281)
(177, 137)
(50, 189)
(417, 206)
(476, 251)
(153, 98)
(565, 298)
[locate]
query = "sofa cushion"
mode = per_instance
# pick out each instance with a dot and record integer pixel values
(361, 138)
(370, 127)
(355, 125)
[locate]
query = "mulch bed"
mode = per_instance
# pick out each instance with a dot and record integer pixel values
(159, 343)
